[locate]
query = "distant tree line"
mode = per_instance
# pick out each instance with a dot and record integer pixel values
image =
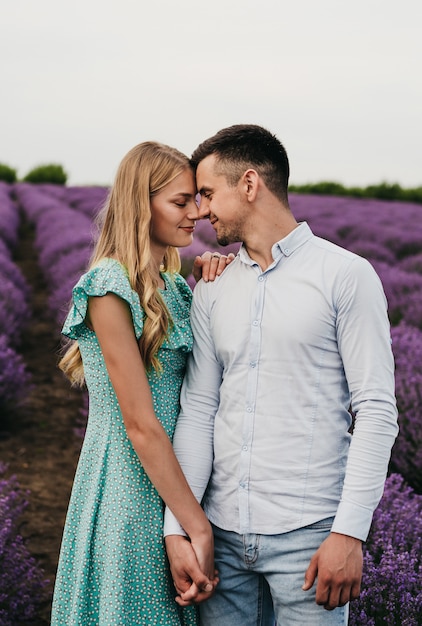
(382, 191)
(49, 173)
(54, 173)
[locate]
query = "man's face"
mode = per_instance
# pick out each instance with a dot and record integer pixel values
(220, 203)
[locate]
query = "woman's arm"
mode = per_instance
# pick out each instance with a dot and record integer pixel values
(111, 320)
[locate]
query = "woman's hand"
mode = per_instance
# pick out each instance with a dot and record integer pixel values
(210, 265)
(191, 584)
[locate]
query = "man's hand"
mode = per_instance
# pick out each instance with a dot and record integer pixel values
(210, 265)
(338, 566)
(191, 584)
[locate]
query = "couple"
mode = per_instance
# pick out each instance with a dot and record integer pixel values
(288, 341)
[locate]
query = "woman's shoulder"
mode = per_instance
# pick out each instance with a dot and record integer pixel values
(104, 276)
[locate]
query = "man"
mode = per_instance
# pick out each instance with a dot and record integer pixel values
(289, 341)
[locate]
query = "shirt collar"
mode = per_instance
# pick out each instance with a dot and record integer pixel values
(286, 246)
(294, 240)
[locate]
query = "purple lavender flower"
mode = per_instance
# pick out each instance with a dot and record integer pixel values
(406, 455)
(9, 216)
(412, 263)
(22, 582)
(404, 293)
(14, 310)
(34, 200)
(10, 271)
(392, 578)
(87, 200)
(14, 378)
(350, 221)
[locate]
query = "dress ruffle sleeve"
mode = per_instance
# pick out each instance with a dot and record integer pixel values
(109, 276)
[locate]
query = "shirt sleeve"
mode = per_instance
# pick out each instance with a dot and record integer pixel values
(364, 341)
(194, 434)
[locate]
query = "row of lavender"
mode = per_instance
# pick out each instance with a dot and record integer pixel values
(389, 234)
(14, 306)
(21, 580)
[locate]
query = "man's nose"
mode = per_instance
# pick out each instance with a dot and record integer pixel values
(203, 208)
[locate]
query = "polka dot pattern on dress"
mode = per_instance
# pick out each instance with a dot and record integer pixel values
(112, 568)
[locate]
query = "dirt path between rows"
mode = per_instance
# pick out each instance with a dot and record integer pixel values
(38, 442)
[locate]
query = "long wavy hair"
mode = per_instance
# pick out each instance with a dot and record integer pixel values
(125, 235)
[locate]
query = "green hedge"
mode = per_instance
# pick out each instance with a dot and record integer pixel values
(383, 191)
(8, 174)
(50, 173)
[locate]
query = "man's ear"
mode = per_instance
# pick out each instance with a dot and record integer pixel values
(250, 180)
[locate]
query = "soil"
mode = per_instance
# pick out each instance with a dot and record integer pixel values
(38, 441)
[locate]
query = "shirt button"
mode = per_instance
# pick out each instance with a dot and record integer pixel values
(255, 322)
(249, 409)
(252, 364)
(287, 250)
(244, 448)
(261, 278)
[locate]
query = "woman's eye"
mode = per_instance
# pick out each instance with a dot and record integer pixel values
(181, 204)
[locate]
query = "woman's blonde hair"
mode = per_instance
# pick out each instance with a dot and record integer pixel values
(125, 235)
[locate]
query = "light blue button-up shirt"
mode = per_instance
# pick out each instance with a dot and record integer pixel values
(279, 358)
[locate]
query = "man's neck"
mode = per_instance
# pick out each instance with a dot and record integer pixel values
(260, 243)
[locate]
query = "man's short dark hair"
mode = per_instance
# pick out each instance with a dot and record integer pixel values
(244, 146)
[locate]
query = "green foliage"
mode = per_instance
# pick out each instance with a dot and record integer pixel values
(382, 191)
(8, 174)
(51, 173)
(324, 188)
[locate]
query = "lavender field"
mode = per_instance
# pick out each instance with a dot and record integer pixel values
(61, 221)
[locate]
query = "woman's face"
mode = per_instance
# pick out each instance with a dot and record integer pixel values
(174, 212)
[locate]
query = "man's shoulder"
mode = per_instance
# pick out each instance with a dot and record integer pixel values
(224, 281)
(332, 248)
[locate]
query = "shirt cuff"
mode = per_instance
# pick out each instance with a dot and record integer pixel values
(171, 525)
(352, 520)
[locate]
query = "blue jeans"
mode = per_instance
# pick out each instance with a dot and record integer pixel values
(261, 578)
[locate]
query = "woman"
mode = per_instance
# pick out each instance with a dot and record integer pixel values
(130, 320)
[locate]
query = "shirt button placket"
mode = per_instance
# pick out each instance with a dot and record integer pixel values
(248, 425)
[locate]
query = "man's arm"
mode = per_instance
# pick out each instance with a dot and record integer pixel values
(193, 440)
(185, 569)
(364, 342)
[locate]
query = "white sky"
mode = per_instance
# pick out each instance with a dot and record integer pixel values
(340, 83)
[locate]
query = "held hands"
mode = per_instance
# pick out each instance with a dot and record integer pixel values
(186, 564)
(337, 565)
(210, 265)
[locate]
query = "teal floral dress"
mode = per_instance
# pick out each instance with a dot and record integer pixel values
(112, 569)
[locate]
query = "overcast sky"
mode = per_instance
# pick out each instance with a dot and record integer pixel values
(340, 83)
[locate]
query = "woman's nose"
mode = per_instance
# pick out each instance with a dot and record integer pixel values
(193, 210)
